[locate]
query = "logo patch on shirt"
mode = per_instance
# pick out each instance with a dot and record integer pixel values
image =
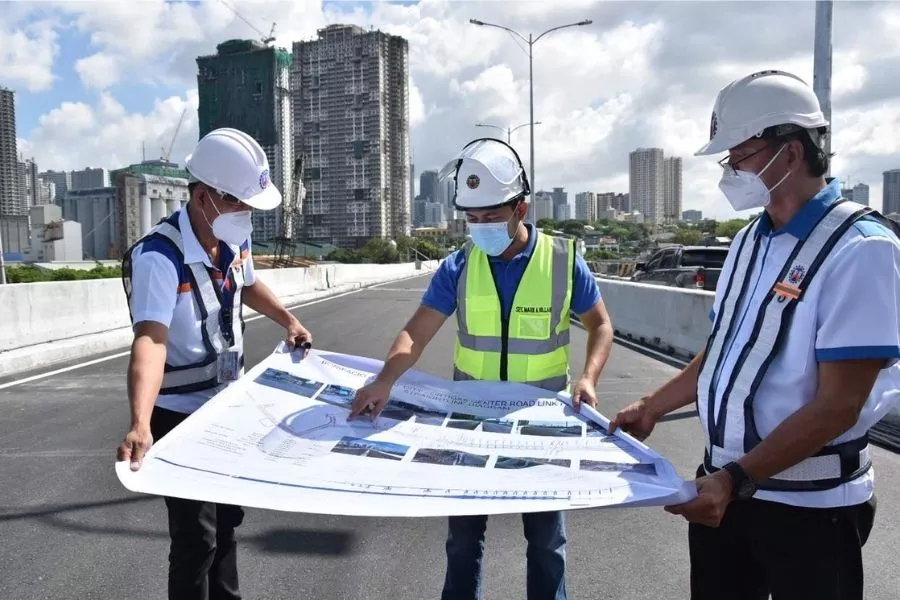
(796, 275)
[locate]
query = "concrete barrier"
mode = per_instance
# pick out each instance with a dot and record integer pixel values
(672, 320)
(47, 323)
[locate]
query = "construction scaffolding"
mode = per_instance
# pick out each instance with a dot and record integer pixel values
(286, 243)
(236, 88)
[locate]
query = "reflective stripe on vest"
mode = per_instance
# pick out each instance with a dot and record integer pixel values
(733, 432)
(203, 374)
(532, 345)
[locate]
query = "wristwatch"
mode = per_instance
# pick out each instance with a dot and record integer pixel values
(742, 486)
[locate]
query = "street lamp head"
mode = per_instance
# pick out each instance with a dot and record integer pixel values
(476, 22)
(585, 22)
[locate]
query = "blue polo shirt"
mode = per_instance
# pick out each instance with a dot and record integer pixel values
(441, 292)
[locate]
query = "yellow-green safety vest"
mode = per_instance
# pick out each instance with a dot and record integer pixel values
(532, 345)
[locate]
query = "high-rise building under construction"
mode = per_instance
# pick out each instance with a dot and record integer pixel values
(351, 120)
(246, 85)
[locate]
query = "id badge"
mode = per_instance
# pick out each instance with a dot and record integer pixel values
(229, 366)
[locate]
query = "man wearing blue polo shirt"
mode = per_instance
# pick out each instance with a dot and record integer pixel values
(801, 362)
(512, 288)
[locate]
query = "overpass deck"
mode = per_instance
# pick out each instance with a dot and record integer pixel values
(69, 529)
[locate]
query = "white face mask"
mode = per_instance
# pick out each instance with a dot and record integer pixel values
(233, 228)
(746, 190)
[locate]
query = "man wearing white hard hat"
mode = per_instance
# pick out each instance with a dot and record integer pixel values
(187, 281)
(800, 363)
(513, 288)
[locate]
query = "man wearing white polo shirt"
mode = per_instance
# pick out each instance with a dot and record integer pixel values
(801, 362)
(186, 282)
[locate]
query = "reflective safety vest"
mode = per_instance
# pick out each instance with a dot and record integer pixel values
(733, 432)
(531, 345)
(220, 326)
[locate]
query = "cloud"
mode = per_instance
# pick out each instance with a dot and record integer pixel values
(27, 54)
(77, 135)
(642, 74)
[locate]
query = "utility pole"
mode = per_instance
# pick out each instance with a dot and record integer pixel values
(822, 66)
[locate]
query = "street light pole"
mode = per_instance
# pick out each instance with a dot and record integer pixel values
(531, 118)
(2, 262)
(531, 41)
(509, 130)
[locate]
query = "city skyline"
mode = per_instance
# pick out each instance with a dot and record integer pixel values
(99, 102)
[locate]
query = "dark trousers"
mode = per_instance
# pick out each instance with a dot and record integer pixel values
(792, 553)
(545, 533)
(203, 549)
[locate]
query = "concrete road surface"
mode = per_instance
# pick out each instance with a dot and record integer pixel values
(69, 530)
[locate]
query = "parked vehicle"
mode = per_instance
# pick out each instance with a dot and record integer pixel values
(696, 267)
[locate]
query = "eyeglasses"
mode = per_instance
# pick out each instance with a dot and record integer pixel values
(225, 197)
(730, 166)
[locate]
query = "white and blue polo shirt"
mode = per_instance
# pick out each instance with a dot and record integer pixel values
(851, 310)
(161, 292)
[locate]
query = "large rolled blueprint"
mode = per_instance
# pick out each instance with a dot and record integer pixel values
(279, 439)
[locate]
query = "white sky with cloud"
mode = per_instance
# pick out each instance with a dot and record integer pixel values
(643, 74)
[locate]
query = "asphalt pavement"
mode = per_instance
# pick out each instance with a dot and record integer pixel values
(69, 530)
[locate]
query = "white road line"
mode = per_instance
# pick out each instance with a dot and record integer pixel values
(121, 354)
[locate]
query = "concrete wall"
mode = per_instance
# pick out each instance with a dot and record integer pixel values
(50, 322)
(672, 320)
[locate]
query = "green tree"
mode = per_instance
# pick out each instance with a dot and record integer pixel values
(428, 249)
(380, 251)
(688, 237)
(571, 227)
(706, 226)
(730, 228)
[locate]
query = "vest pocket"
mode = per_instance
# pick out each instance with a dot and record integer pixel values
(799, 347)
(530, 327)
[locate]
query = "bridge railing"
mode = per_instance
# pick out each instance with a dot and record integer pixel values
(674, 321)
(46, 323)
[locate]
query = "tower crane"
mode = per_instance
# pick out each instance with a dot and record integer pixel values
(265, 39)
(168, 153)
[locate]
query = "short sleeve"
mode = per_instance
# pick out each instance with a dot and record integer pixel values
(441, 292)
(859, 305)
(585, 291)
(154, 287)
(249, 272)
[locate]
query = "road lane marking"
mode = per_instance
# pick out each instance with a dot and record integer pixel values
(248, 319)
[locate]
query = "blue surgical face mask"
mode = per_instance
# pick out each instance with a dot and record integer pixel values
(491, 238)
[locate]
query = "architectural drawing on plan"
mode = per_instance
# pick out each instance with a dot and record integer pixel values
(280, 439)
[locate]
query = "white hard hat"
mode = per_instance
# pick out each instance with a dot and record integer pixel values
(234, 163)
(746, 107)
(488, 173)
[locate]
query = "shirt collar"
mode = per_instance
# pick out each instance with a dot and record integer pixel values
(802, 223)
(193, 251)
(529, 246)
